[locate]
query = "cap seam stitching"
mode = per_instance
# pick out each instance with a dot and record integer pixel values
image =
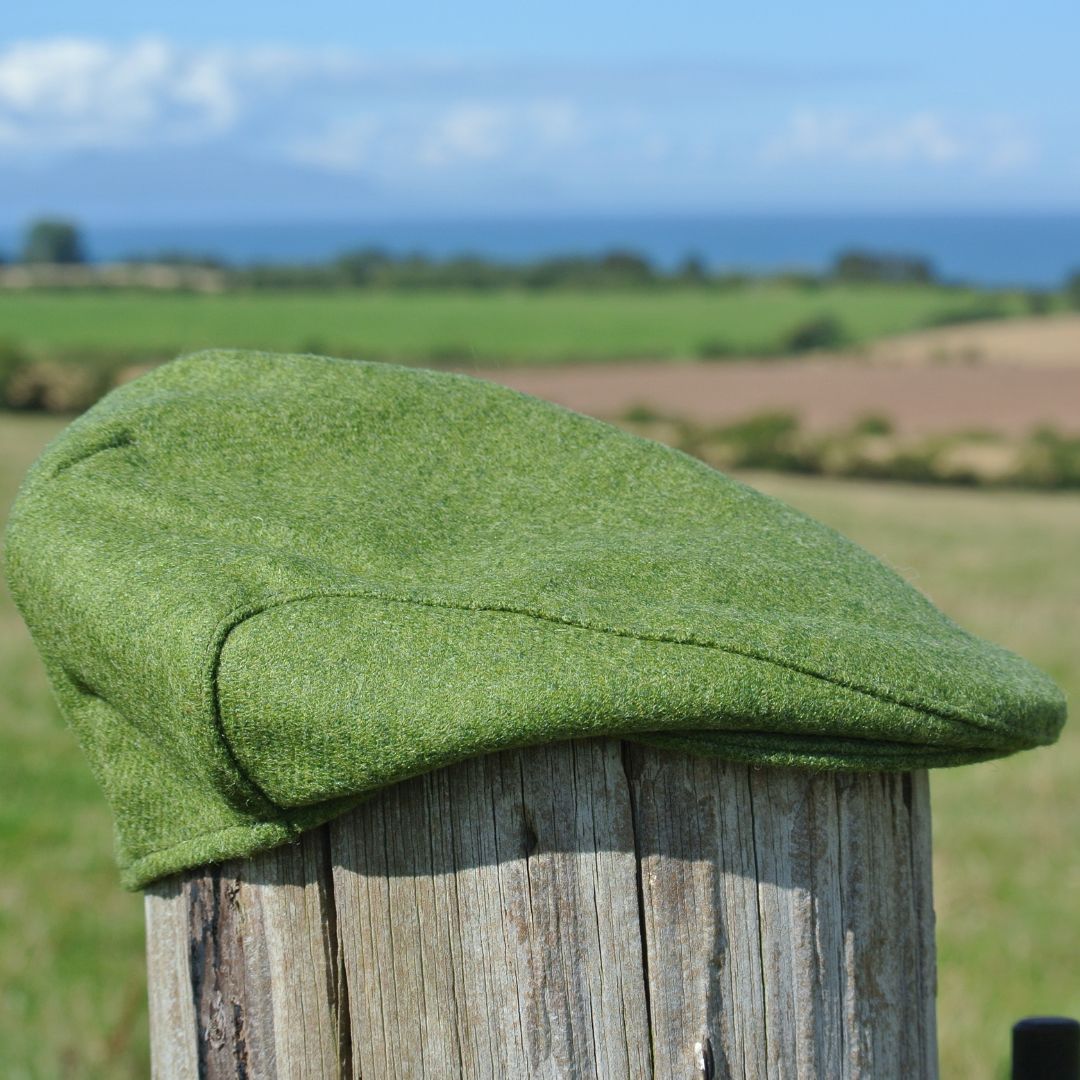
(241, 615)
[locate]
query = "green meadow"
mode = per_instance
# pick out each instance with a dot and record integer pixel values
(484, 327)
(1007, 879)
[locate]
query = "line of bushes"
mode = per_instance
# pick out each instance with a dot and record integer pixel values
(870, 449)
(61, 383)
(376, 268)
(821, 331)
(67, 382)
(1045, 459)
(825, 330)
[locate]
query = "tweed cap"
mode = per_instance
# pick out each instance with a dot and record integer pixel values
(266, 586)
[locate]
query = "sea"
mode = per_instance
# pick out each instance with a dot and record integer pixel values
(1026, 250)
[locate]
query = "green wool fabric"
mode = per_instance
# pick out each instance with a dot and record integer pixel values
(266, 586)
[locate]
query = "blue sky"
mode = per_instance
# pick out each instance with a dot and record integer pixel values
(127, 112)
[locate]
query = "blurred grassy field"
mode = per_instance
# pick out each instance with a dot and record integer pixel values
(1007, 864)
(71, 977)
(482, 327)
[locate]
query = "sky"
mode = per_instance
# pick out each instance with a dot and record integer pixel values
(122, 112)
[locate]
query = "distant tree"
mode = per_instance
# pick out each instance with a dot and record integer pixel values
(626, 267)
(1039, 302)
(361, 267)
(557, 270)
(692, 270)
(869, 266)
(1072, 290)
(472, 272)
(177, 257)
(805, 280)
(613, 269)
(51, 240)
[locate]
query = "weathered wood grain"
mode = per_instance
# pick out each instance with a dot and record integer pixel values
(244, 969)
(515, 947)
(584, 910)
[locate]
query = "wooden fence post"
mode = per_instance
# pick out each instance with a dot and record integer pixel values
(585, 909)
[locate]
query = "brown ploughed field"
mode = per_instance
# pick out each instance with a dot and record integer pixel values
(1006, 377)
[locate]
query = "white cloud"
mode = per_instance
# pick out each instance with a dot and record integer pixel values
(67, 93)
(330, 108)
(344, 146)
(477, 131)
(448, 124)
(920, 138)
(437, 136)
(471, 132)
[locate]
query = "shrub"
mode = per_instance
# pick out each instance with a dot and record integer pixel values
(977, 311)
(765, 441)
(715, 349)
(451, 352)
(1044, 459)
(12, 360)
(873, 425)
(1039, 302)
(642, 414)
(820, 332)
(869, 266)
(62, 383)
(314, 346)
(1072, 290)
(913, 464)
(55, 386)
(1051, 460)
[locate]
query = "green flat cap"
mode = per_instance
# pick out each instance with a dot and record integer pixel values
(265, 586)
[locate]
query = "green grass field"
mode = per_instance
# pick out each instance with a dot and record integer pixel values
(1006, 866)
(471, 327)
